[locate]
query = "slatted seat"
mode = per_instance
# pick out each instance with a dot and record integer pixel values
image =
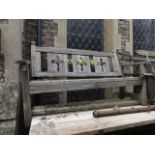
(70, 70)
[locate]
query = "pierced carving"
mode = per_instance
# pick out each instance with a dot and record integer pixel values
(81, 62)
(101, 63)
(57, 61)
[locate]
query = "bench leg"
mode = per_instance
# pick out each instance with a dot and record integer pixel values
(143, 93)
(63, 98)
(122, 91)
(151, 89)
(25, 94)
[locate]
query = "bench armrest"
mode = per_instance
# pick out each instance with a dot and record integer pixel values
(23, 61)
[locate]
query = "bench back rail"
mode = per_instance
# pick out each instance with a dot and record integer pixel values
(63, 62)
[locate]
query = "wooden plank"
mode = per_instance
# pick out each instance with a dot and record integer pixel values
(34, 83)
(25, 94)
(85, 123)
(74, 63)
(64, 65)
(71, 85)
(78, 66)
(35, 59)
(116, 65)
(101, 68)
(71, 51)
(143, 91)
(88, 69)
(63, 98)
(142, 58)
(63, 68)
(107, 65)
(97, 67)
(82, 106)
(51, 66)
(76, 74)
(85, 66)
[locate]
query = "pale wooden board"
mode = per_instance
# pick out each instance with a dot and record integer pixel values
(52, 67)
(81, 84)
(71, 51)
(85, 123)
(76, 74)
(36, 60)
(63, 67)
(83, 106)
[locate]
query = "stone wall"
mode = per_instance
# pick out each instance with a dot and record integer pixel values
(8, 107)
(11, 50)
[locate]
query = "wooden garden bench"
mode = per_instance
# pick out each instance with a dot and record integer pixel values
(71, 70)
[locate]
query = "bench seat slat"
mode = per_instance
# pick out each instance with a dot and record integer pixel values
(75, 74)
(47, 86)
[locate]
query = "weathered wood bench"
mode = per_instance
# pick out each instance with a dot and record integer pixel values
(71, 70)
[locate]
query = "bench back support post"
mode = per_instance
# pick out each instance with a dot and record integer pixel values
(24, 74)
(143, 92)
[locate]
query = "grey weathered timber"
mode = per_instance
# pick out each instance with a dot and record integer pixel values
(25, 94)
(58, 58)
(142, 58)
(71, 51)
(86, 105)
(81, 84)
(143, 92)
(35, 59)
(72, 70)
(58, 66)
(76, 74)
(83, 122)
(116, 63)
(52, 66)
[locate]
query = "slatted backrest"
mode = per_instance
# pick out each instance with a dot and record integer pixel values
(62, 62)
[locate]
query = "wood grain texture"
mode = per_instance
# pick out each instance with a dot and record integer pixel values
(71, 51)
(82, 106)
(79, 70)
(25, 94)
(36, 60)
(85, 123)
(76, 74)
(37, 87)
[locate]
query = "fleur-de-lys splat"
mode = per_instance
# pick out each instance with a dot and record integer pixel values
(101, 63)
(57, 61)
(81, 62)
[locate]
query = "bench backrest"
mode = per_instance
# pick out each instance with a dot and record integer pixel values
(63, 62)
